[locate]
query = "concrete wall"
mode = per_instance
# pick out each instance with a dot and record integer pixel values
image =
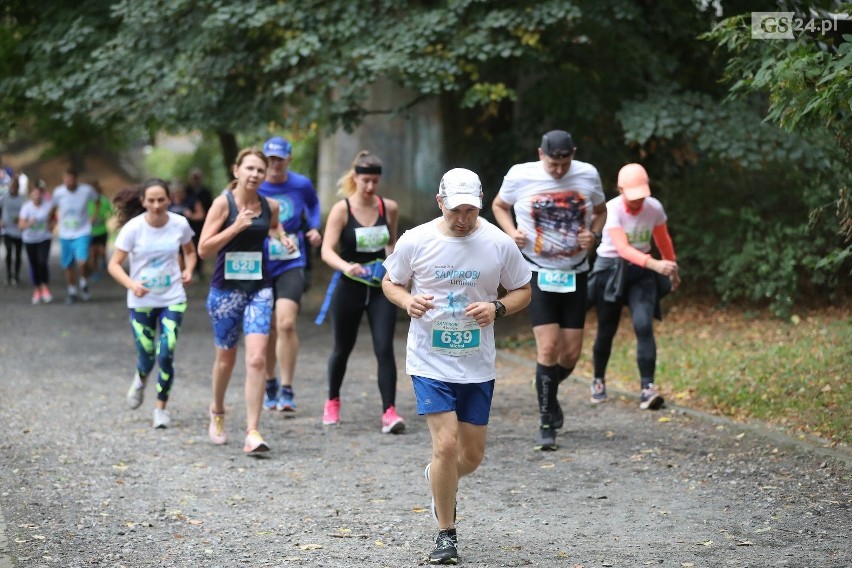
(410, 146)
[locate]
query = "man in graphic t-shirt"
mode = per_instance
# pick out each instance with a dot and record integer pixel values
(560, 209)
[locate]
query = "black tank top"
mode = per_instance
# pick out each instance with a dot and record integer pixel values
(250, 240)
(364, 244)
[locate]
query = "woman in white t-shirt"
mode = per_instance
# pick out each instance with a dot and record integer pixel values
(625, 273)
(36, 226)
(152, 237)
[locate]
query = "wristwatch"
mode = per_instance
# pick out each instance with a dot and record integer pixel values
(500, 309)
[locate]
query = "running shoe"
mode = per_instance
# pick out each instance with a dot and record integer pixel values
(331, 412)
(285, 400)
(46, 296)
(392, 423)
(36, 297)
(161, 418)
(136, 392)
(85, 295)
(70, 299)
(254, 444)
(598, 391)
(216, 430)
(546, 441)
(427, 474)
(651, 399)
(270, 397)
(446, 551)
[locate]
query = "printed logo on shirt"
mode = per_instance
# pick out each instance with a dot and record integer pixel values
(286, 210)
(457, 276)
(558, 217)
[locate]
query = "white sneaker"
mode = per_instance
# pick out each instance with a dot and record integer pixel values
(161, 418)
(136, 393)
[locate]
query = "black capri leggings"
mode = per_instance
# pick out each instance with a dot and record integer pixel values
(39, 255)
(348, 303)
(13, 257)
(640, 294)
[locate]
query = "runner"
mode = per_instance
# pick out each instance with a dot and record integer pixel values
(626, 274)
(363, 224)
(454, 267)
(150, 236)
(235, 231)
(37, 235)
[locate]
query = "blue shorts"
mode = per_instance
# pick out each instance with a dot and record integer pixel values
(227, 308)
(470, 401)
(74, 249)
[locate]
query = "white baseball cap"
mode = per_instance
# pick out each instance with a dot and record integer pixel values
(460, 187)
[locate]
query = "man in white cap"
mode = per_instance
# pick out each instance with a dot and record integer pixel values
(446, 274)
(299, 214)
(560, 212)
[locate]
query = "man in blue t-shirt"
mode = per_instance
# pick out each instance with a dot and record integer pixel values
(300, 219)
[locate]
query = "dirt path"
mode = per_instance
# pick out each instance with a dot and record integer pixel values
(86, 482)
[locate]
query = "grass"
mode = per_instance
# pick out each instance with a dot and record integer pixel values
(794, 375)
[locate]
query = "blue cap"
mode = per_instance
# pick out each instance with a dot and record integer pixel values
(278, 147)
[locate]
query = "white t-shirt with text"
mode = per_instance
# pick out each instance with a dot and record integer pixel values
(73, 210)
(445, 344)
(638, 227)
(153, 253)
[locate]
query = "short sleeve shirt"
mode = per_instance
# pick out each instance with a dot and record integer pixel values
(638, 227)
(552, 212)
(73, 209)
(457, 271)
(40, 214)
(153, 253)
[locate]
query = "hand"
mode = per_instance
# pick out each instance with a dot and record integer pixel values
(314, 237)
(586, 238)
(138, 289)
(288, 244)
(244, 219)
(356, 269)
(519, 237)
(483, 312)
(186, 276)
(664, 267)
(419, 305)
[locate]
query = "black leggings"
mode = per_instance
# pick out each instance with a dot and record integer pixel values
(39, 254)
(13, 245)
(640, 294)
(349, 302)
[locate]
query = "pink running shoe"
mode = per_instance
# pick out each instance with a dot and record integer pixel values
(392, 423)
(216, 430)
(36, 297)
(46, 297)
(254, 444)
(331, 412)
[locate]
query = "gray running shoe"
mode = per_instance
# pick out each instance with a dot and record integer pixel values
(598, 391)
(85, 295)
(135, 394)
(162, 418)
(651, 399)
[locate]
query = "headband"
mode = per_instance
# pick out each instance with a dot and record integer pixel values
(368, 170)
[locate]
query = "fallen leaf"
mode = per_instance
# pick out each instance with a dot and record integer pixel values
(380, 543)
(687, 564)
(120, 466)
(197, 522)
(740, 436)
(311, 547)
(664, 419)
(745, 543)
(706, 543)
(418, 510)
(547, 465)
(38, 537)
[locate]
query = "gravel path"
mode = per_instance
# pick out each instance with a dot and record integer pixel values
(84, 481)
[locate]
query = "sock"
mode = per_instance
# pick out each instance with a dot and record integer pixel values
(72, 290)
(287, 390)
(546, 385)
(647, 381)
(83, 282)
(563, 373)
(140, 380)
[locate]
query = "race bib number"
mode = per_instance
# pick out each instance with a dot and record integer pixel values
(155, 279)
(455, 338)
(371, 239)
(39, 226)
(71, 223)
(278, 251)
(243, 266)
(561, 281)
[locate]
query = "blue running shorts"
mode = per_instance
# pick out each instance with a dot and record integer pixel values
(470, 401)
(74, 249)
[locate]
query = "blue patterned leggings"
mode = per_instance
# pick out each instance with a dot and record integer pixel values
(151, 347)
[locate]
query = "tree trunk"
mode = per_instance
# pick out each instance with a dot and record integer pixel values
(228, 144)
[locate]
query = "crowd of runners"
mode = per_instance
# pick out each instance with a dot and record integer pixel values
(551, 214)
